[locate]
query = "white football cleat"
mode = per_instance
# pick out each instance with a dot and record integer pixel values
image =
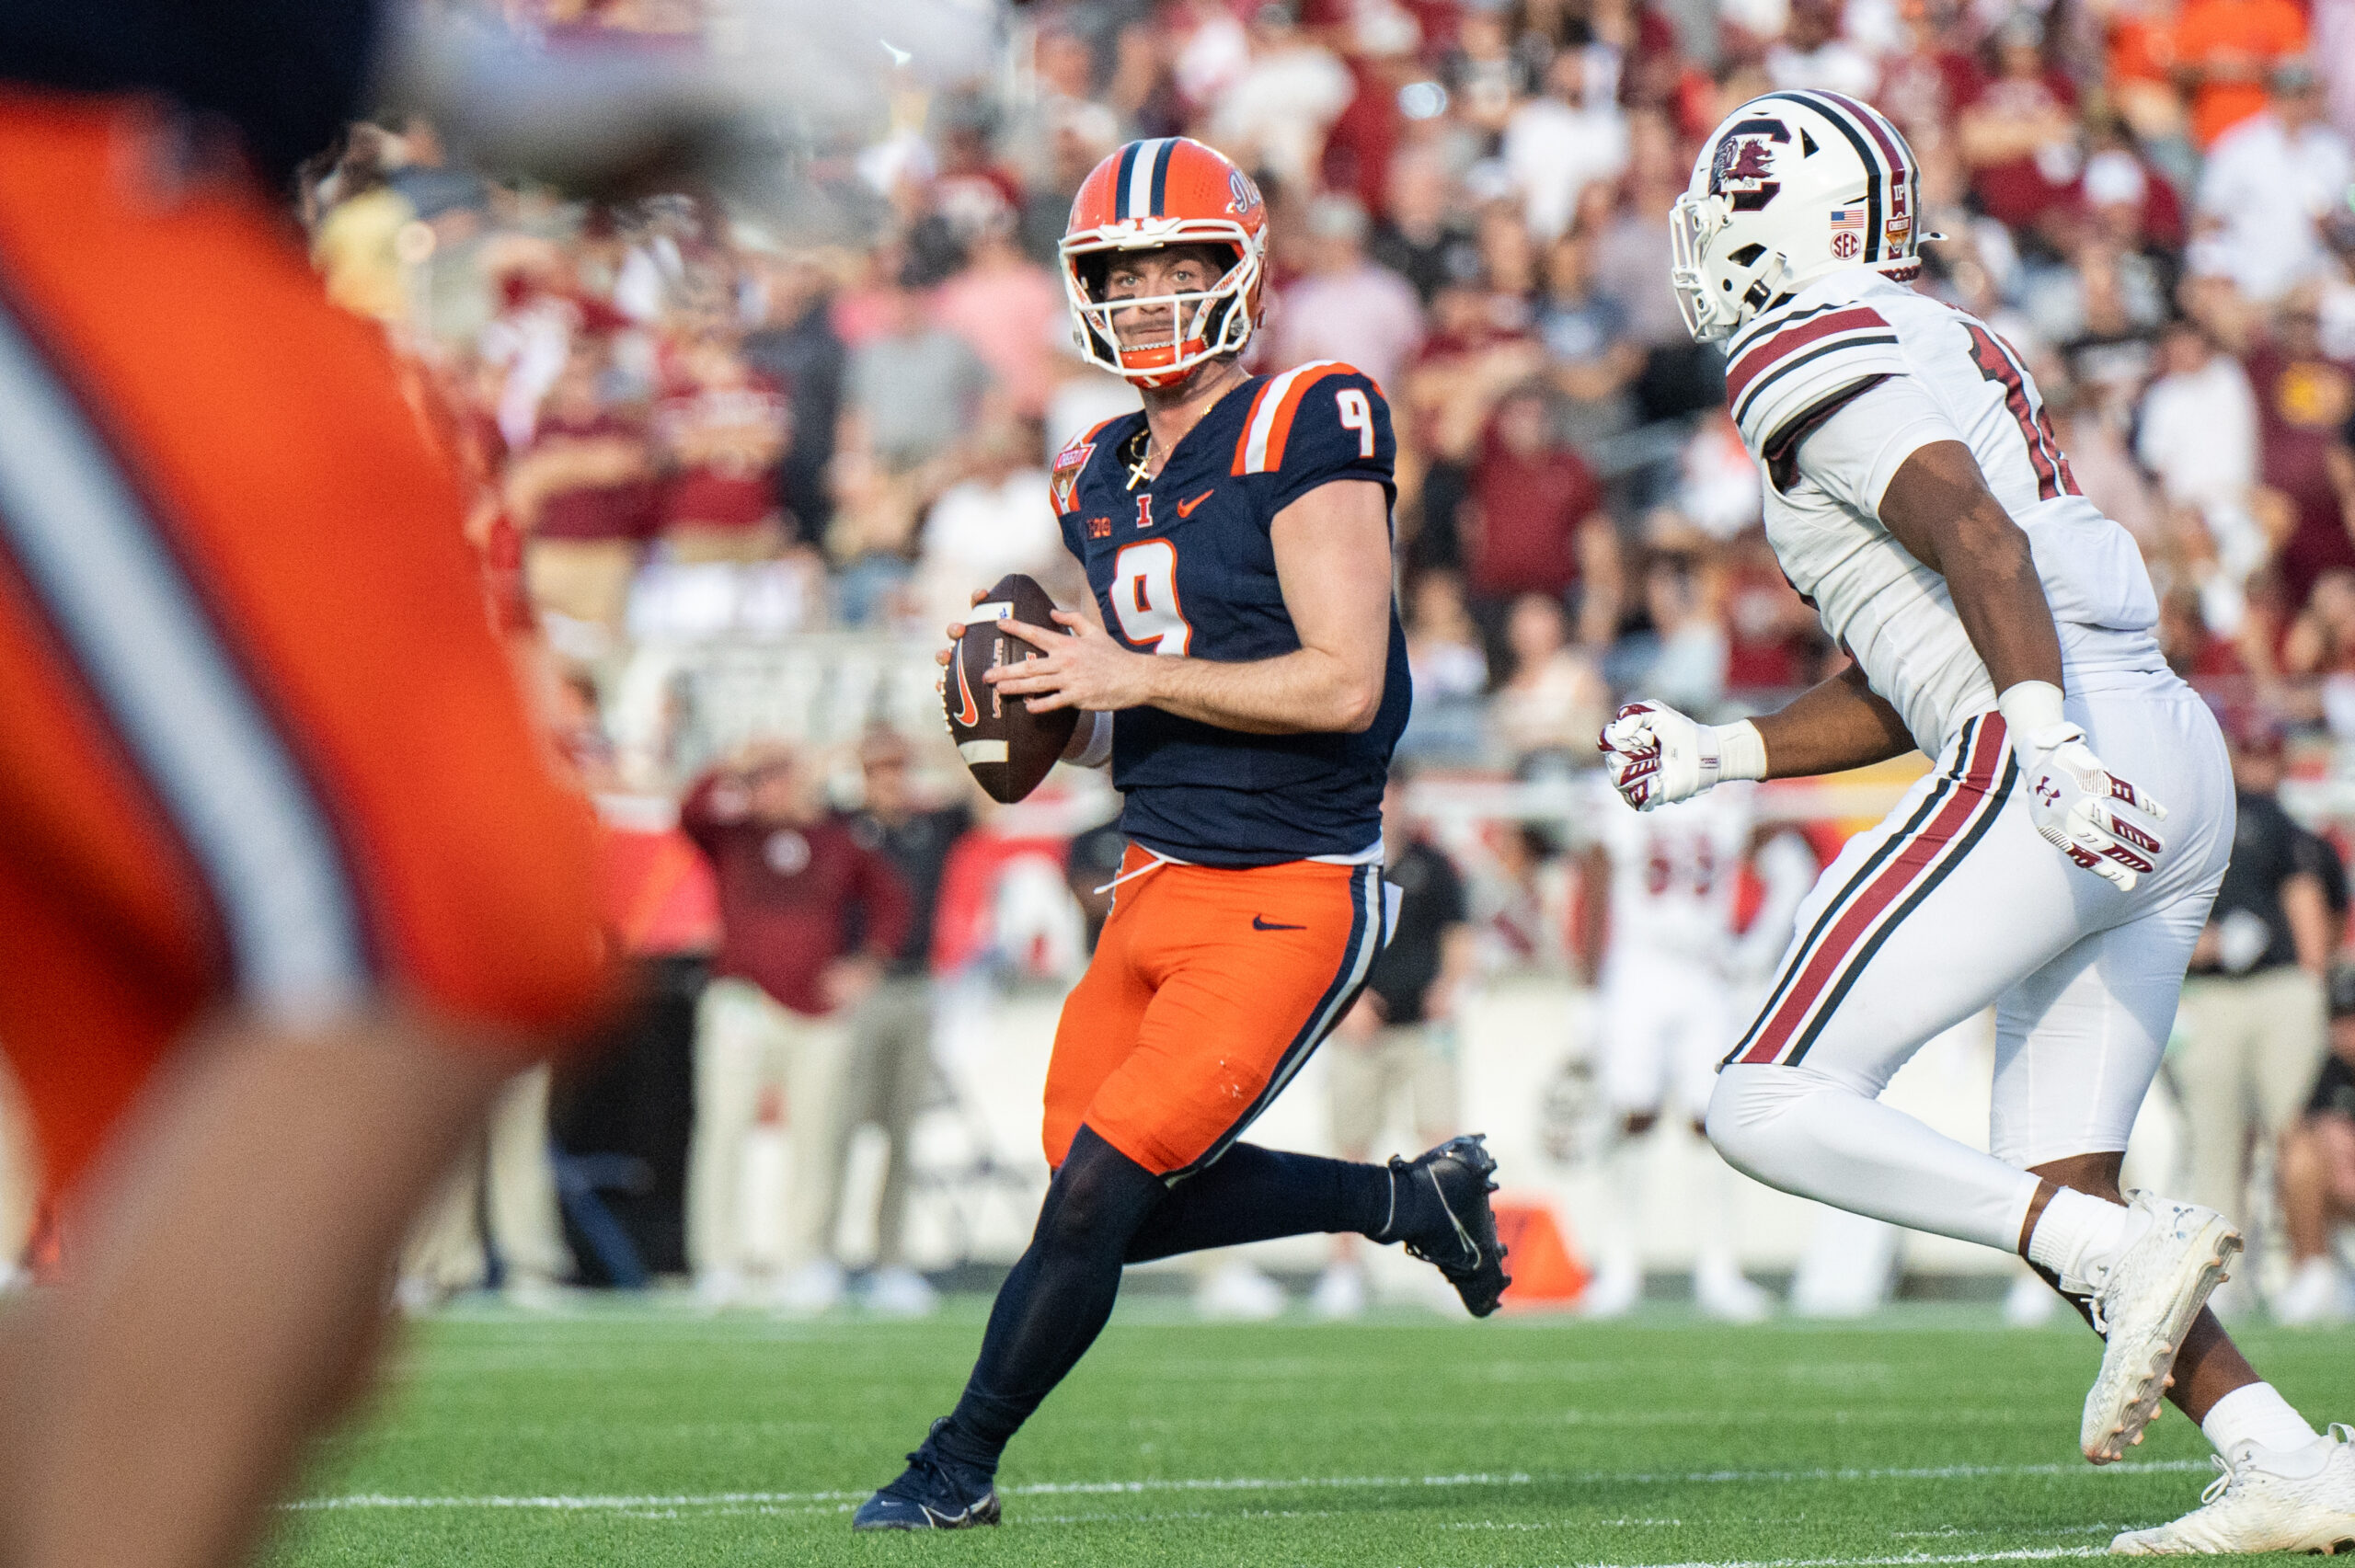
(2251, 1507)
(2144, 1304)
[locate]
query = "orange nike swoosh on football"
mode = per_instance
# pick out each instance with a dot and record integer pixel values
(972, 715)
(1186, 509)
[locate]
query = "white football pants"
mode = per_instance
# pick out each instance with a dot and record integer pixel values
(1954, 902)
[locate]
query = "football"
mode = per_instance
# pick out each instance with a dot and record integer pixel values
(1008, 748)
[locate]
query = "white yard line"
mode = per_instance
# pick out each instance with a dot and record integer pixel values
(2025, 1554)
(704, 1500)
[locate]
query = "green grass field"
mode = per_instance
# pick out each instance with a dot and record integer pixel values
(1928, 1435)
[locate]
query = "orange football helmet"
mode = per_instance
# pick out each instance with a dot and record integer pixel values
(1170, 190)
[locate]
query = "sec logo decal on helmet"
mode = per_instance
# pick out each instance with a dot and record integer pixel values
(1147, 196)
(1789, 187)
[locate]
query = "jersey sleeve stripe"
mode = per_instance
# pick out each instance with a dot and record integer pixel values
(1744, 409)
(1262, 450)
(1753, 361)
(1250, 423)
(1280, 427)
(1766, 327)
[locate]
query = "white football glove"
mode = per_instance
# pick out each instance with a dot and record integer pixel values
(1655, 755)
(2072, 798)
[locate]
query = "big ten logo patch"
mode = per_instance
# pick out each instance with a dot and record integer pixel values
(1099, 528)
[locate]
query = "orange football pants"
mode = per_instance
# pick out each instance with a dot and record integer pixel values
(259, 751)
(1209, 988)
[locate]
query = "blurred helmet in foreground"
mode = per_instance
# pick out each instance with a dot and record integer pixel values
(1147, 196)
(1789, 187)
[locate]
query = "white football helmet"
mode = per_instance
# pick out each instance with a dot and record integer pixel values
(1789, 187)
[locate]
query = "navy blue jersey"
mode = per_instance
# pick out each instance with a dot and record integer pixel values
(1183, 564)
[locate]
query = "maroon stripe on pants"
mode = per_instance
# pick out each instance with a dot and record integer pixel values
(1903, 871)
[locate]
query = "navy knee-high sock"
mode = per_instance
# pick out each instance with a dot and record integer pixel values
(1104, 1209)
(1257, 1194)
(1055, 1302)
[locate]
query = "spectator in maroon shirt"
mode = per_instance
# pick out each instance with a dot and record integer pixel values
(723, 429)
(2304, 402)
(583, 495)
(1534, 523)
(810, 918)
(2018, 131)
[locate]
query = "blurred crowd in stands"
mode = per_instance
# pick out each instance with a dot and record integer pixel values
(686, 422)
(699, 426)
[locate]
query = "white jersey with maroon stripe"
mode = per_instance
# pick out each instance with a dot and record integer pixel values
(1841, 338)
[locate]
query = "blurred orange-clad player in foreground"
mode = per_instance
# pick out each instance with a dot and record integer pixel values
(288, 888)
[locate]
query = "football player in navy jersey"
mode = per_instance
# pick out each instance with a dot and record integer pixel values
(1247, 684)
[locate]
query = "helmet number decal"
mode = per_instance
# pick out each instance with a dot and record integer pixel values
(1356, 415)
(1144, 597)
(1742, 169)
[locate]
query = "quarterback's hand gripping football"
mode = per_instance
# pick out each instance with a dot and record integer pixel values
(1655, 755)
(2073, 800)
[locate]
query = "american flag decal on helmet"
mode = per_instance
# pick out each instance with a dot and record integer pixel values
(1889, 176)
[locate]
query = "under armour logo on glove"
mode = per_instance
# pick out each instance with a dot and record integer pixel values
(2073, 802)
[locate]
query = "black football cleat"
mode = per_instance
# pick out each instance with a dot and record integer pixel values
(934, 1493)
(1459, 1237)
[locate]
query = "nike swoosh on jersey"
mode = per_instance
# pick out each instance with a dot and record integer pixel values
(1186, 509)
(1261, 923)
(971, 715)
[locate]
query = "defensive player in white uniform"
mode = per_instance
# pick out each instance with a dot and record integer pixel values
(2001, 624)
(1665, 1008)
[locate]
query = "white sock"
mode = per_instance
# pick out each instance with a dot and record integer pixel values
(2257, 1414)
(2078, 1235)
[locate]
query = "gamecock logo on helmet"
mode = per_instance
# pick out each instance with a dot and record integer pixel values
(1742, 169)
